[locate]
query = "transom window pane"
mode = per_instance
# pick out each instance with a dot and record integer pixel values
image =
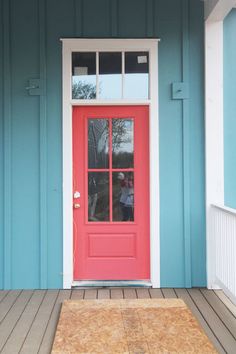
(110, 78)
(114, 79)
(136, 85)
(83, 76)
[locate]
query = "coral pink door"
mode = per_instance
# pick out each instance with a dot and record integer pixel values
(111, 193)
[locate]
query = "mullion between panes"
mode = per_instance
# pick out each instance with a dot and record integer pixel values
(110, 172)
(123, 74)
(97, 75)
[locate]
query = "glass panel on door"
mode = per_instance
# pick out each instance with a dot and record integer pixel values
(98, 196)
(122, 143)
(110, 169)
(98, 136)
(123, 196)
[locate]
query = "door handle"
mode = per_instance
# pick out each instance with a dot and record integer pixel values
(76, 205)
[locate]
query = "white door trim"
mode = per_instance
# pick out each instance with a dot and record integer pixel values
(69, 46)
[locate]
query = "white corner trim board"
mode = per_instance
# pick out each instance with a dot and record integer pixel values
(96, 45)
(214, 138)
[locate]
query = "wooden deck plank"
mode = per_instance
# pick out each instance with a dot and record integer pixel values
(168, 293)
(117, 294)
(155, 293)
(47, 341)
(77, 294)
(90, 294)
(13, 316)
(228, 303)
(130, 293)
(35, 335)
(143, 293)
(224, 336)
(221, 310)
(184, 295)
(3, 293)
(104, 294)
(7, 303)
(19, 333)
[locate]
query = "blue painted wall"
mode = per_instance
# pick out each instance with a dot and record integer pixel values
(31, 136)
(230, 109)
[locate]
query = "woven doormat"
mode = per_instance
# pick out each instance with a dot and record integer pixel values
(129, 326)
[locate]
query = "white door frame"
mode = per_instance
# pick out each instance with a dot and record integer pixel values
(96, 45)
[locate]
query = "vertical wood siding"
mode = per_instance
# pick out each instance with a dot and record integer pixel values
(30, 127)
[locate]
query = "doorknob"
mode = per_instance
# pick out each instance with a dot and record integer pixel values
(76, 206)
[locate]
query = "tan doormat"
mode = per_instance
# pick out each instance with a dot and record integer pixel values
(129, 326)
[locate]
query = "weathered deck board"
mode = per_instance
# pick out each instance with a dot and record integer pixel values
(3, 294)
(143, 293)
(226, 317)
(214, 322)
(130, 293)
(155, 293)
(77, 294)
(19, 333)
(90, 294)
(226, 301)
(35, 335)
(13, 316)
(7, 303)
(29, 319)
(104, 294)
(168, 293)
(47, 341)
(183, 294)
(117, 294)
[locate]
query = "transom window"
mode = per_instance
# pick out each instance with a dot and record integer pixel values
(110, 75)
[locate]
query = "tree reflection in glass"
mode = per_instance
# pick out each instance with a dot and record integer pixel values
(122, 143)
(98, 196)
(98, 135)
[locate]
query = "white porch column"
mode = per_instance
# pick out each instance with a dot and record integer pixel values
(215, 12)
(214, 133)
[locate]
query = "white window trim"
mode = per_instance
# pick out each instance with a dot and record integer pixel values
(69, 46)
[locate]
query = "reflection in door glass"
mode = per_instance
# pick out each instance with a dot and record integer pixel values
(123, 196)
(84, 76)
(98, 196)
(122, 143)
(98, 135)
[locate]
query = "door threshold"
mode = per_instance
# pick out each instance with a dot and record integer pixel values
(111, 283)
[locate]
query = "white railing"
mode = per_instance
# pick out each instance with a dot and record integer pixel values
(223, 231)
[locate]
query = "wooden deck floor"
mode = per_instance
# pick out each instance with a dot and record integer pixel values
(28, 319)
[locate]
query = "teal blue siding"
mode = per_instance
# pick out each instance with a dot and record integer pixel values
(31, 129)
(230, 109)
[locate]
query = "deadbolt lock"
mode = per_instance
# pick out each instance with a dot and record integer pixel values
(76, 206)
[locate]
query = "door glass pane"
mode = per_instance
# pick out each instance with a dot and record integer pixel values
(83, 75)
(110, 78)
(98, 196)
(122, 143)
(136, 85)
(98, 135)
(123, 196)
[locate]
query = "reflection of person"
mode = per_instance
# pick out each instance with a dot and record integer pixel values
(92, 199)
(127, 197)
